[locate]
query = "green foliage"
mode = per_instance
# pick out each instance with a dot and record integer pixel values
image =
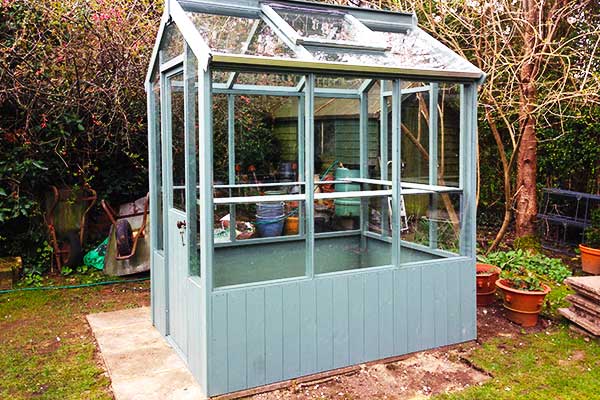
(551, 269)
(592, 233)
(73, 108)
(522, 279)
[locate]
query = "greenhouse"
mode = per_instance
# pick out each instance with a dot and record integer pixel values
(312, 183)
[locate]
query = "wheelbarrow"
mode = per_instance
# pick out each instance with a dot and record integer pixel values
(65, 216)
(128, 250)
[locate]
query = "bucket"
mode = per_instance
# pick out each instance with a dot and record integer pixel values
(269, 210)
(291, 226)
(347, 207)
(286, 171)
(269, 226)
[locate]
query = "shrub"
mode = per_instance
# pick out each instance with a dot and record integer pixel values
(592, 233)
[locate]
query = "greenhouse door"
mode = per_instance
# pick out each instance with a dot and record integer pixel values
(177, 270)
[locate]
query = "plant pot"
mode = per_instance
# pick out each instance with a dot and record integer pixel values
(487, 275)
(522, 306)
(590, 260)
(291, 226)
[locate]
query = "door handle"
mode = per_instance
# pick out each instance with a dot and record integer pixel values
(181, 225)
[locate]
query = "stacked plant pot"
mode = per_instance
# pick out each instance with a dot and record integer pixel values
(585, 303)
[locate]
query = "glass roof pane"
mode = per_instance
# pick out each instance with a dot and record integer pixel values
(331, 27)
(413, 49)
(237, 35)
(338, 82)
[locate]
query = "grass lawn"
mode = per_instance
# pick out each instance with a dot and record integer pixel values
(551, 364)
(47, 350)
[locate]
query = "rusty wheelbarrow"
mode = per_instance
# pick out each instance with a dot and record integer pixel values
(128, 246)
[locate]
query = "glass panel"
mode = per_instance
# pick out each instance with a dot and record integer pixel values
(158, 219)
(414, 50)
(220, 139)
(374, 127)
(237, 35)
(268, 255)
(264, 79)
(171, 45)
(432, 223)
(177, 140)
(266, 139)
(449, 135)
(415, 149)
(331, 26)
(193, 228)
(338, 82)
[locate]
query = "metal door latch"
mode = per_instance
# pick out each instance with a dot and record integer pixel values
(181, 225)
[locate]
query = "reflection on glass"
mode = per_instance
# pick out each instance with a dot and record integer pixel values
(177, 140)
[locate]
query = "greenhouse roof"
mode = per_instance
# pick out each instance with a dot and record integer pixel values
(314, 36)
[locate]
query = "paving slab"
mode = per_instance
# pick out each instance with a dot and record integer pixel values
(140, 362)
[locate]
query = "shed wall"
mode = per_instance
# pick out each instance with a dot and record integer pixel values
(266, 334)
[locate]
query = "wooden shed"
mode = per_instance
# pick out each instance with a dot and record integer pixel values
(312, 182)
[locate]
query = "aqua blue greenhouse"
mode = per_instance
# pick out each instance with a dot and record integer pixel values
(312, 179)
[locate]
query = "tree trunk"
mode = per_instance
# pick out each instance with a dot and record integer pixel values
(526, 205)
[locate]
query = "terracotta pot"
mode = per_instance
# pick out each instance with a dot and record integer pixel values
(522, 306)
(590, 260)
(487, 275)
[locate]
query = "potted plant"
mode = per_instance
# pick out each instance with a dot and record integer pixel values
(523, 295)
(590, 250)
(487, 275)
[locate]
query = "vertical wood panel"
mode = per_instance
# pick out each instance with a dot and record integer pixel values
(340, 322)
(218, 346)
(468, 306)
(428, 277)
(195, 332)
(386, 314)
(414, 309)
(291, 331)
(453, 303)
(236, 340)
(308, 328)
(401, 311)
(356, 333)
(255, 337)
(274, 333)
(324, 324)
(371, 319)
(440, 308)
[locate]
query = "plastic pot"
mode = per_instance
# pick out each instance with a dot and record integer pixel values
(291, 226)
(487, 275)
(590, 260)
(522, 306)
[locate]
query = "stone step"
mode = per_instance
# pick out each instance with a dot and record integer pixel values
(583, 322)
(585, 305)
(588, 286)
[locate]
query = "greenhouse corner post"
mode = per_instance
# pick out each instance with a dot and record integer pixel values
(309, 150)
(433, 161)
(206, 212)
(396, 171)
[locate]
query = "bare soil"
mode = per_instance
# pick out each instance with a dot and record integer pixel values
(418, 376)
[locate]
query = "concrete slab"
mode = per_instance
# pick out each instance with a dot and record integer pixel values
(140, 362)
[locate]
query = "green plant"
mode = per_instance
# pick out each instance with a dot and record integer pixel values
(32, 279)
(522, 279)
(592, 233)
(66, 271)
(551, 269)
